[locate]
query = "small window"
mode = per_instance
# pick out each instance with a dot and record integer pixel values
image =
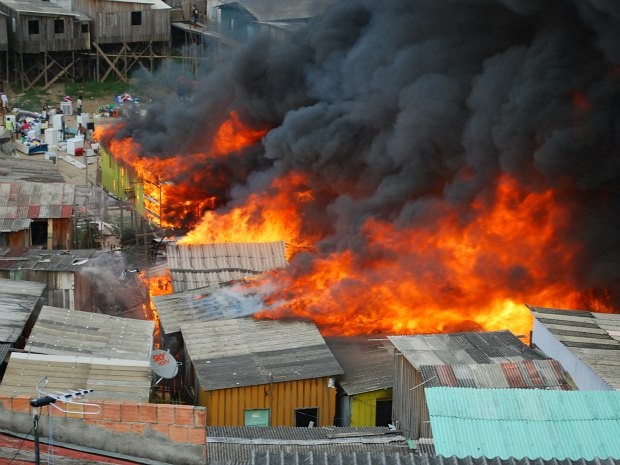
(257, 417)
(59, 26)
(84, 28)
(136, 18)
(306, 417)
(33, 26)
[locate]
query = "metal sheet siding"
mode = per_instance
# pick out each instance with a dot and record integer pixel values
(226, 407)
(535, 423)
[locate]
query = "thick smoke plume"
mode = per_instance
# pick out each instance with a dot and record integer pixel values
(398, 108)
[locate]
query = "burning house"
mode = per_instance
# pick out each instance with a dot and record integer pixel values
(260, 373)
(429, 171)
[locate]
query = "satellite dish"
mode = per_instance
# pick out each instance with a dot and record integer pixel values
(164, 364)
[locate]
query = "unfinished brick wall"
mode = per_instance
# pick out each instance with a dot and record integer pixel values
(175, 425)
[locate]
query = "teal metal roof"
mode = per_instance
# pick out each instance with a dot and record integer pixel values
(525, 423)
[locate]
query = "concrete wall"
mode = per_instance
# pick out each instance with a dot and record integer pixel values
(174, 434)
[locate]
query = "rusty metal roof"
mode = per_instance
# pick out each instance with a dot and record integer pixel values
(60, 331)
(195, 266)
(18, 299)
(463, 348)
(527, 374)
(21, 169)
(248, 352)
(34, 200)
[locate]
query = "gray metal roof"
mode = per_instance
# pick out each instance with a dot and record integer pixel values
(37, 7)
(195, 266)
(13, 169)
(113, 379)
(49, 260)
(593, 337)
(527, 374)
(282, 457)
(204, 304)
(368, 363)
(59, 331)
(23, 200)
(247, 352)
(237, 445)
(463, 348)
(275, 10)
(18, 299)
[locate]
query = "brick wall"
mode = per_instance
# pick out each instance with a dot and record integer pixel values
(158, 428)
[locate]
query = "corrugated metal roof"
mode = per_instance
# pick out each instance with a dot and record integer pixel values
(593, 337)
(204, 304)
(17, 301)
(246, 352)
(155, 4)
(37, 7)
(59, 331)
(463, 348)
(367, 363)
(8, 225)
(14, 169)
(23, 200)
(273, 10)
(525, 423)
(195, 266)
(114, 379)
(49, 260)
(236, 445)
(528, 374)
(393, 458)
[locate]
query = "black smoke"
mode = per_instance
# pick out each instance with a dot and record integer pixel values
(399, 106)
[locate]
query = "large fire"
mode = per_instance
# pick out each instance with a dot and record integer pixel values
(450, 273)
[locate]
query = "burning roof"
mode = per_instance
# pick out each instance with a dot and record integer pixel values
(430, 169)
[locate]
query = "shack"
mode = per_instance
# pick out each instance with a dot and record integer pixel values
(250, 372)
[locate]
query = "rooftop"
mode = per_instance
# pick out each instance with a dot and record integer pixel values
(18, 299)
(247, 352)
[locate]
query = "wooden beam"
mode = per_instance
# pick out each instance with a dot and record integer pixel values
(112, 65)
(62, 71)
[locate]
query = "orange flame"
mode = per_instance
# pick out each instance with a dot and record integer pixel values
(170, 200)
(448, 274)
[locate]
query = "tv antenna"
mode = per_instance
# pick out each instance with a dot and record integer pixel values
(50, 399)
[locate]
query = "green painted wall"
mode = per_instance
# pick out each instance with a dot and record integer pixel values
(364, 407)
(116, 178)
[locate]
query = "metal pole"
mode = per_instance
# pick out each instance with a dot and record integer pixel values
(37, 457)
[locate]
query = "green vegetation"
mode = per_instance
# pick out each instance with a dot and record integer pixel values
(34, 99)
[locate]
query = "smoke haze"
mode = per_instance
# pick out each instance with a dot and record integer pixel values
(400, 109)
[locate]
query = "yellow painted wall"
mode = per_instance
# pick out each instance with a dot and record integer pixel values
(226, 407)
(364, 407)
(115, 178)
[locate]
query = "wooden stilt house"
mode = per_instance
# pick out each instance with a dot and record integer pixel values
(43, 37)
